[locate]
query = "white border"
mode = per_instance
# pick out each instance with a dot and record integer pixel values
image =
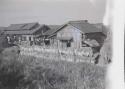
(115, 76)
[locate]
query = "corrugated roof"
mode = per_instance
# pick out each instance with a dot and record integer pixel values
(2, 28)
(79, 21)
(82, 25)
(29, 26)
(101, 26)
(85, 27)
(15, 27)
(53, 28)
(24, 32)
(23, 26)
(98, 25)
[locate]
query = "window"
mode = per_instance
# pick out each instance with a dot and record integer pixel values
(83, 39)
(68, 44)
(83, 36)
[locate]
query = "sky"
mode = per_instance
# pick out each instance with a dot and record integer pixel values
(50, 11)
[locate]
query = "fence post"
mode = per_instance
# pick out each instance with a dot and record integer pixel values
(58, 54)
(74, 55)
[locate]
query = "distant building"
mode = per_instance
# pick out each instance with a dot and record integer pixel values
(2, 28)
(74, 33)
(25, 33)
(52, 30)
(3, 39)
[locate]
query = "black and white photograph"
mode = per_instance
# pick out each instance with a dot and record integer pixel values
(55, 44)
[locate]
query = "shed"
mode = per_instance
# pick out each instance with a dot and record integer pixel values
(78, 31)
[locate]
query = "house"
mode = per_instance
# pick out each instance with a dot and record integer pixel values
(3, 40)
(101, 26)
(2, 28)
(25, 33)
(52, 30)
(74, 33)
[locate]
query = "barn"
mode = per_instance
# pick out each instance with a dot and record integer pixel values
(74, 34)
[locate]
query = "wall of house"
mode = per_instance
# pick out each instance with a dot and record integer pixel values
(13, 39)
(27, 39)
(70, 32)
(53, 41)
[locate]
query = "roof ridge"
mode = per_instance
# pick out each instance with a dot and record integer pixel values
(23, 23)
(78, 21)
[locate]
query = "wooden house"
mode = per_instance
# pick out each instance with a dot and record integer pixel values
(74, 33)
(25, 33)
(52, 30)
(105, 30)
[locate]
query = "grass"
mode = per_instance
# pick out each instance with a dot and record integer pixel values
(28, 72)
(70, 75)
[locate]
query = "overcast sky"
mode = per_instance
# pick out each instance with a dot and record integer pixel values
(50, 11)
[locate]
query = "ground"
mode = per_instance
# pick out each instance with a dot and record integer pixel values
(28, 72)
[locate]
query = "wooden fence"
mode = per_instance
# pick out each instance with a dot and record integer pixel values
(74, 55)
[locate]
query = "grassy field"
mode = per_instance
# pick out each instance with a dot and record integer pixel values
(28, 72)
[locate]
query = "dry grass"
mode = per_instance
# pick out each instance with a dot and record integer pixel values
(28, 72)
(75, 55)
(69, 75)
